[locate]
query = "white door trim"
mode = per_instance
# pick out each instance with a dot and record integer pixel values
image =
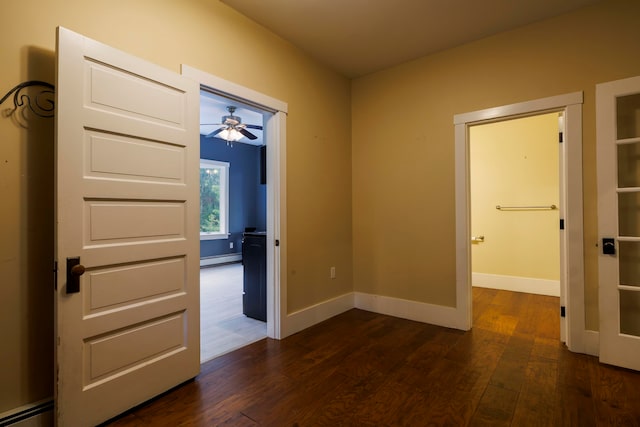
(234, 90)
(275, 128)
(572, 280)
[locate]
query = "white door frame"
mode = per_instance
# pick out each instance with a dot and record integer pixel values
(276, 188)
(571, 240)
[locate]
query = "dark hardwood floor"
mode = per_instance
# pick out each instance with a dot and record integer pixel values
(365, 369)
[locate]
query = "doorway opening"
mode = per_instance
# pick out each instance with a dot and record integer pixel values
(515, 234)
(269, 114)
(571, 310)
(233, 225)
(514, 191)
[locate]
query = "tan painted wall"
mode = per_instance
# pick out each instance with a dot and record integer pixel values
(204, 34)
(403, 140)
(515, 163)
(400, 125)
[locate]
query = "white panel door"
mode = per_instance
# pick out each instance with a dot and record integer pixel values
(127, 212)
(618, 148)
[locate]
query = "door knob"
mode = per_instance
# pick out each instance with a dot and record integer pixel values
(74, 271)
(77, 270)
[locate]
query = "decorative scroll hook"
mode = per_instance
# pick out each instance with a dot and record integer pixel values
(41, 104)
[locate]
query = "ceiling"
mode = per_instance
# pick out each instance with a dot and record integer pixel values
(357, 37)
(213, 107)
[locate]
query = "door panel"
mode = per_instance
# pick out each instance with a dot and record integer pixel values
(120, 221)
(109, 288)
(120, 158)
(618, 145)
(127, 196)
(109, 356)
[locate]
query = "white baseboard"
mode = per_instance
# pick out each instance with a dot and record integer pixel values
(317, 313)
(439, 315)
(517, 284)
(220, 259)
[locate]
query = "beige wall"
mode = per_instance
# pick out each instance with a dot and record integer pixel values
(515, 163)
(382, 172)
(206, 35)
(403, 140)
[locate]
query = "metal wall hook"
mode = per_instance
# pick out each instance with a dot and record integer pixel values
(41, 103)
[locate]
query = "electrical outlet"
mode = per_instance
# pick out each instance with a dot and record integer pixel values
(230, 245)
(332, 272)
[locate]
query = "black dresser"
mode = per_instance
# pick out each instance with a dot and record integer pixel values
(254, 260)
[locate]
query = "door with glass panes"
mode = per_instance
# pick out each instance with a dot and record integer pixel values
(618, 150)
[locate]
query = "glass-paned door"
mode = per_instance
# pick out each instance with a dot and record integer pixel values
(618, 145)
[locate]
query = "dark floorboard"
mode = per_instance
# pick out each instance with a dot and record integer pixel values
(366, 369)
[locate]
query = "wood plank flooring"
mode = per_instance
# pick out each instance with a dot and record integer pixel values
(365, 369)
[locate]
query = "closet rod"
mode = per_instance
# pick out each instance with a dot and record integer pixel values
(545, 207)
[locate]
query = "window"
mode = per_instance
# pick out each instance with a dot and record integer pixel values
(214, 199)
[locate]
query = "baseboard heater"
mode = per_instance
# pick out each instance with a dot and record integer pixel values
(220, 259)
(37, 414)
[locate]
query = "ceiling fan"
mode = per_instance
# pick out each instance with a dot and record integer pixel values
(232, 127)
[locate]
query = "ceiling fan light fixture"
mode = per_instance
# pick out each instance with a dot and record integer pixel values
(230, 134)
(232, 128)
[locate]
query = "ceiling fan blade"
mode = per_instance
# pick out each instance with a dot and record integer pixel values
(253, 127)
(246, 133)
(214, 133)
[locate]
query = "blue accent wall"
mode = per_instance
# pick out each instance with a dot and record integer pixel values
(247, 197)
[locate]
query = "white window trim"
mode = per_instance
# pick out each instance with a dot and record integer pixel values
(224, 200)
